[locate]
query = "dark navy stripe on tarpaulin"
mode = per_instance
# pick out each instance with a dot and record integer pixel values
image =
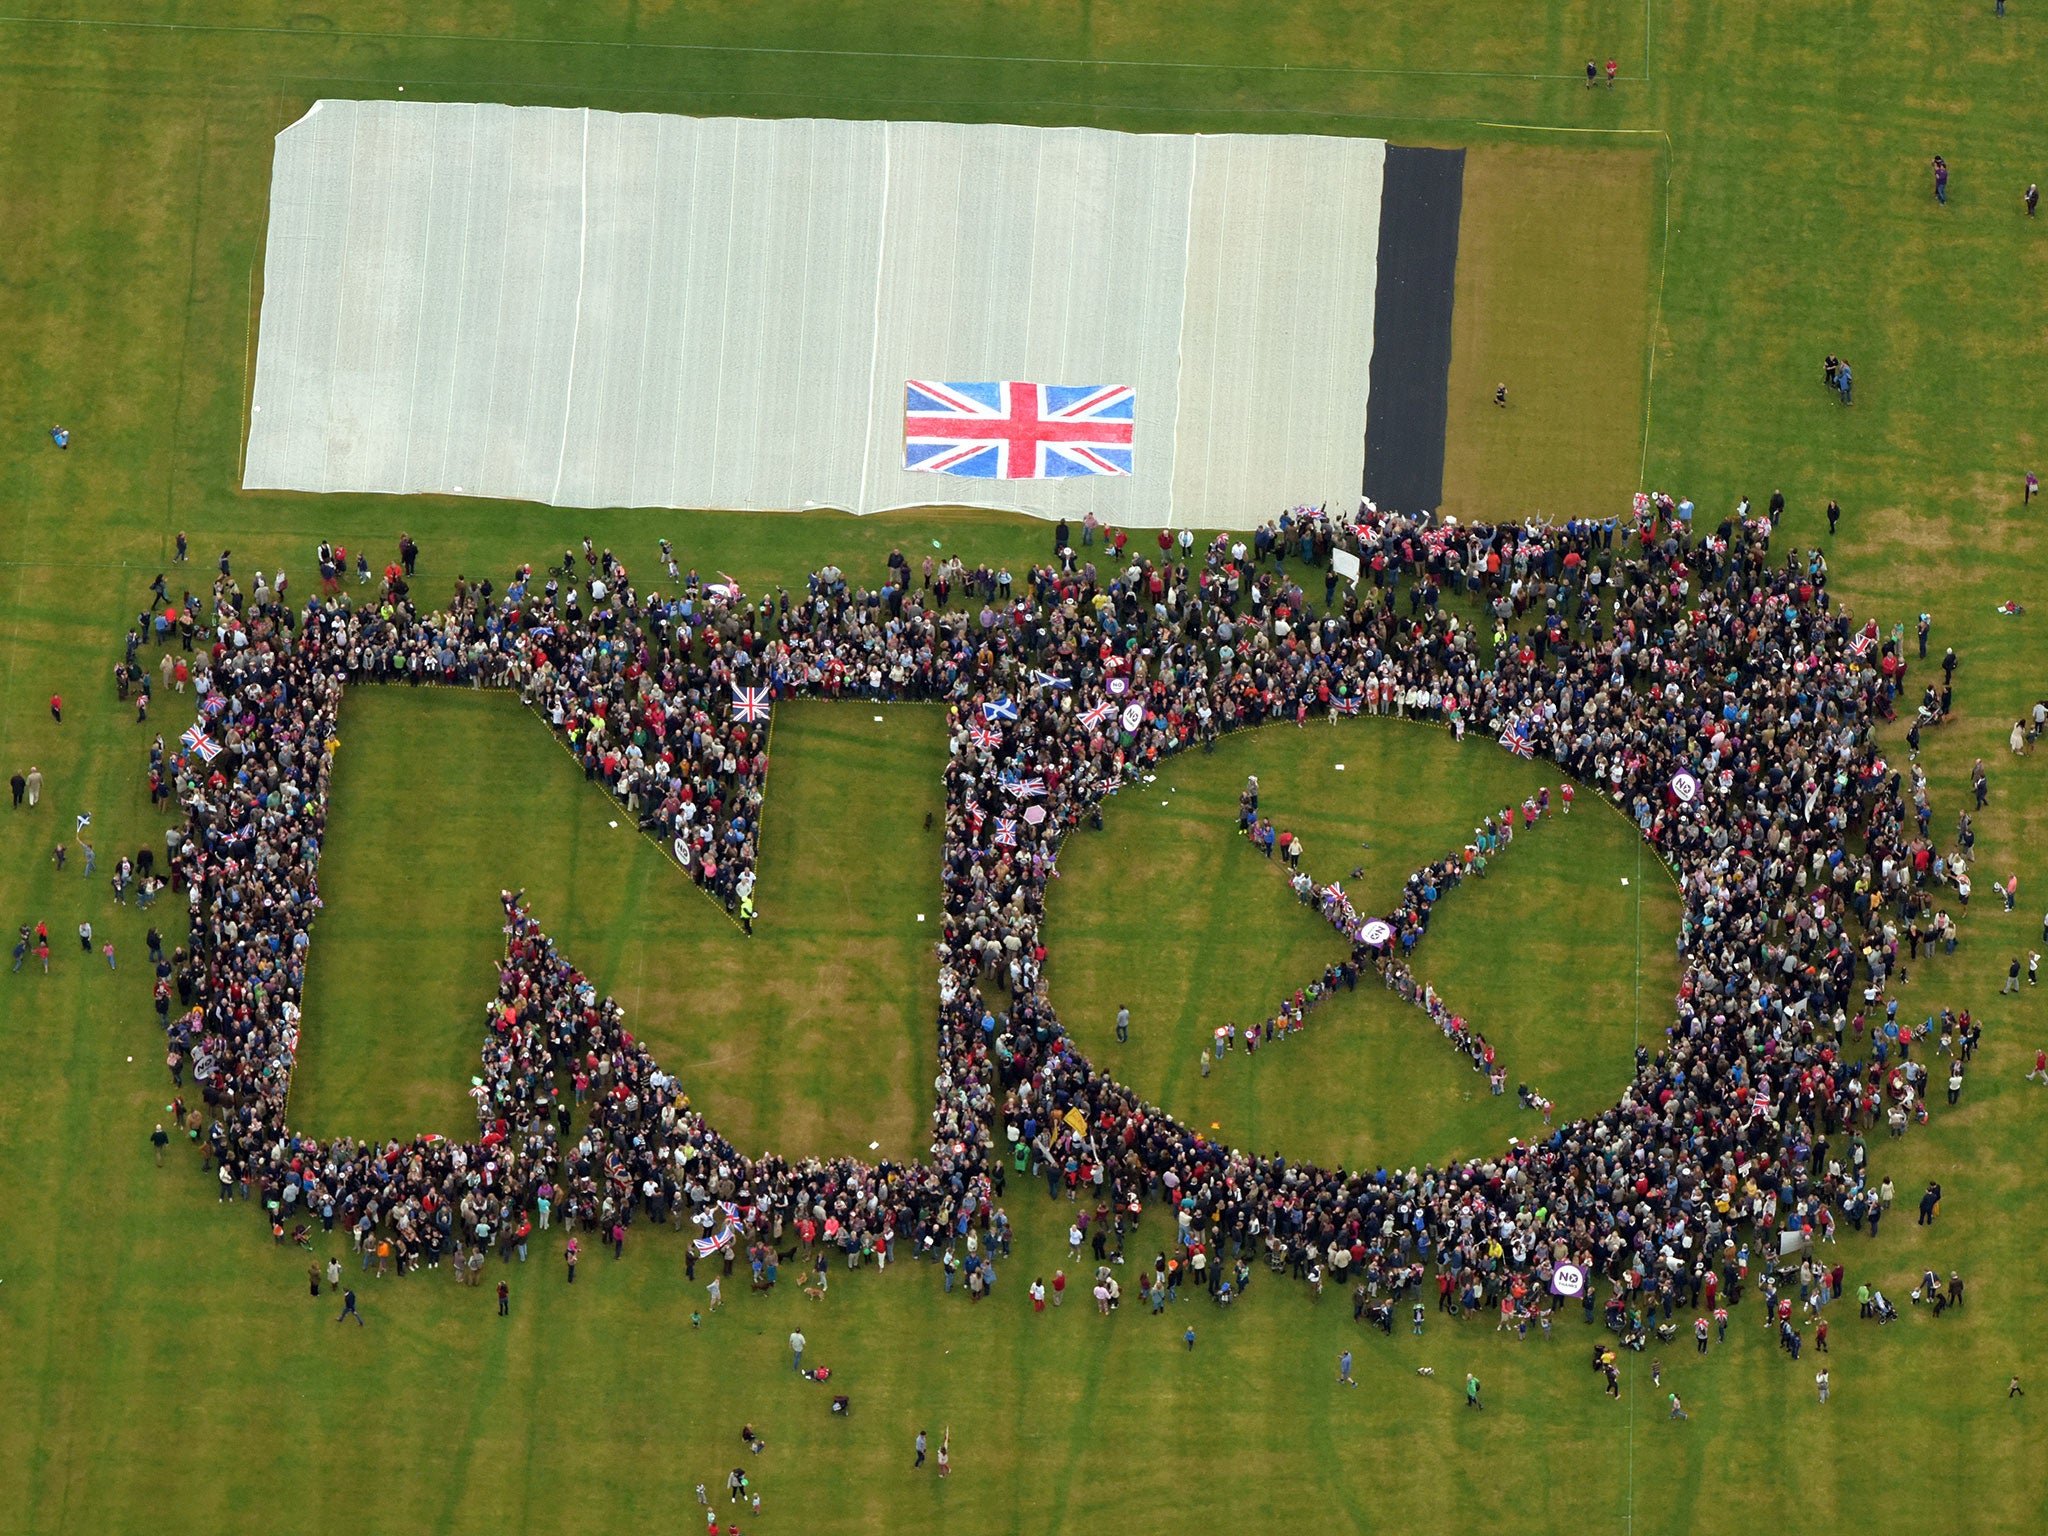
(1410, 389)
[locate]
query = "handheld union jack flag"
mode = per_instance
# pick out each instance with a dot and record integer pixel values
(983, 735)
(998, 709)
(1012, 431)
(1025, 789)
(197, 739)
(1344, 706)
(1098, 715)
(1516, 739)
(708, 1244)
(1006, 831)
(750, 705)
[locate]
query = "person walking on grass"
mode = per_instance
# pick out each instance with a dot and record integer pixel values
(1820, 1381)
(796, 1348)
(160, 1139)
(1678, 1408)
(1941, 181)
(921, 1443)
(1344, 1369)
(1123, 1025)
(348, 1308)
(1472, 1392)
(2032, 196)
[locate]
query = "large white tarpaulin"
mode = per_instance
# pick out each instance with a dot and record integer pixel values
(593, 309)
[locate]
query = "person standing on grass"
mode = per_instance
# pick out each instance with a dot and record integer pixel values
(796, 1348)
(1472, 1391)
(1500, 391)
(160, 1139)
(921, 1443)
(2032, 198)
(2033, 490)
(504, 1299)
(1123, 1025)
(1846, 383)
(946, 1452)
(1941, 181)
(1611, 67)
(57, 707)
(1820, 1381)
(1592, 74)
(1344, 1369)
(1834, 515)
(35, 785)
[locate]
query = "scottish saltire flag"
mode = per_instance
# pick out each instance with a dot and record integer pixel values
(1516, 739)
(998, 709)
(1012, 431)
(750, 705)
(197, 739)
(1047, 680)
(1098, 715)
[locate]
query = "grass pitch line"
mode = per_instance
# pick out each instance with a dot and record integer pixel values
(345, 34)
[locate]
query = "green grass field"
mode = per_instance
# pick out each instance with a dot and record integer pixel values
(161, 1367)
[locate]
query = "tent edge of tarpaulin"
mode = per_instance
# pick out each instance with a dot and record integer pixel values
(252, 399)
(736, 117)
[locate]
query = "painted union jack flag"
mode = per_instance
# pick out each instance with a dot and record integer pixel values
(197, 739)
(750, 705)
(1011, 431)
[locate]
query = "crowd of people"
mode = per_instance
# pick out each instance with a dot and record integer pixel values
(1716, 695)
